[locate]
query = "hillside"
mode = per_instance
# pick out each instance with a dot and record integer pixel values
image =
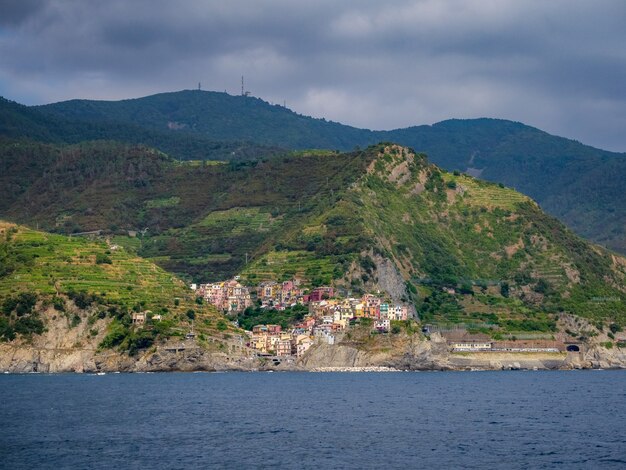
(216, 116)
(578, 184)
(409, 229)
(462, 250)
(30, 123)
(200, 218)
(76, 294)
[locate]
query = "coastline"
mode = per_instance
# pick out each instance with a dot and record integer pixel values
(419, 356)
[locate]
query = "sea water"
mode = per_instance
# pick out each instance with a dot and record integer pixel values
(517, 419)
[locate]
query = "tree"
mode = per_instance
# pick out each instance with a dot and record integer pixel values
(505, 289)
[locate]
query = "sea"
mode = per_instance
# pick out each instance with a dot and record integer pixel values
(443, 420)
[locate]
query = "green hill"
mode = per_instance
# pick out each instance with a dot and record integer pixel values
(44, 276)
(413, 230)
(22, 122)
(192, 211)
(217, 116)
(461, 249)
(578, 184)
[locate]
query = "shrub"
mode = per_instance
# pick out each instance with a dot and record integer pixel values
(140, 340)
(542, 286)
(7, 333)
(116, 335)
(58, 303)
(22, 304)
(82, 299)
(505, 289)
(102, 258)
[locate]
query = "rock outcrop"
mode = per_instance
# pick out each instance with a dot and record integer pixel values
(384, 352)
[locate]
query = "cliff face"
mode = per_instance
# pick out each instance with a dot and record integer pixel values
(72, 346)
(413, 353)
(419, 355)
(21, 359)
(66, 348)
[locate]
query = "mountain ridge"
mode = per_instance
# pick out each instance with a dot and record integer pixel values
(577, 183)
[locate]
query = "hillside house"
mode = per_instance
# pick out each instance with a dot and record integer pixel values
(303, 343)
(139, 318)
(229, 296)
(284, 348)
(321, 293)
(382, 325)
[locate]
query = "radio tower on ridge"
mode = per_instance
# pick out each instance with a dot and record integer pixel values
(243, 90)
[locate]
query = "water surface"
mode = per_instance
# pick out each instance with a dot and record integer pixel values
(306, 420)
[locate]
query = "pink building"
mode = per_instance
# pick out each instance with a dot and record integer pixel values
(320, 293)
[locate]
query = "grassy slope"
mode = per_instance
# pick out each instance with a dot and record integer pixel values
(578, 184)
(50, 265)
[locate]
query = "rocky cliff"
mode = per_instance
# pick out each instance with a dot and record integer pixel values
(68, 346)
(416, 355)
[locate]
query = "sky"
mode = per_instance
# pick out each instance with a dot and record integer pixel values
(558, 65)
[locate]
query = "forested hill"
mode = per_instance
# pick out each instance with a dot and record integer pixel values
(23, 122)
(218, 116)
(580, 185)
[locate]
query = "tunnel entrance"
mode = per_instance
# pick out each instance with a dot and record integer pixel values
(573, 348)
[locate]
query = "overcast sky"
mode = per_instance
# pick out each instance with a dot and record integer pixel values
(559, 65)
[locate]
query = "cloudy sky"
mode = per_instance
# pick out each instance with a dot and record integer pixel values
(559, 65)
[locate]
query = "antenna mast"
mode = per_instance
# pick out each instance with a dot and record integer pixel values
(242, 92)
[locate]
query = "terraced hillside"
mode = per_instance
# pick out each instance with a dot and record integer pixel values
(44, 276)
(199, 220)
(464, 250)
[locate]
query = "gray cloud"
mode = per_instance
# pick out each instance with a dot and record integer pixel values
(557, 65)
(14, 13)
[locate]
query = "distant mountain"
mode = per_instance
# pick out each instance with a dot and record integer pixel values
(19, 121)
(580, 185)
(460, 249)
(217, 116)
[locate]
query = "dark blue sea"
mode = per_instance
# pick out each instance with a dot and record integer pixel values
(442, 420)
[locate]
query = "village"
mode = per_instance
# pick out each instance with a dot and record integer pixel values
(330, 314)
